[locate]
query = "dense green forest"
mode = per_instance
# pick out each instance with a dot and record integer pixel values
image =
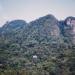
(45, 46)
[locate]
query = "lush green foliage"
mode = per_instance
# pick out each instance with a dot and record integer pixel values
(38, 48)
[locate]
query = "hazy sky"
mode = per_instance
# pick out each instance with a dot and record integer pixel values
(32, 9)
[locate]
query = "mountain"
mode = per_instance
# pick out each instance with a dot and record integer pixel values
(42, 41)
(42, 30)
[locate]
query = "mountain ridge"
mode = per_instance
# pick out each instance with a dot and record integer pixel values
(51, 24)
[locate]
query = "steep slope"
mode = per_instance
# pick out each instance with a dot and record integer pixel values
(45, 29)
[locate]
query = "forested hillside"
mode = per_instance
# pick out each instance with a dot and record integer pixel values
(45, 46)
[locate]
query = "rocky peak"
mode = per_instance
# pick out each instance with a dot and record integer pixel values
(69, 28)
(70, 22)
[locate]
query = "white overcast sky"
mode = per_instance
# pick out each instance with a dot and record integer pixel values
(32, 9)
